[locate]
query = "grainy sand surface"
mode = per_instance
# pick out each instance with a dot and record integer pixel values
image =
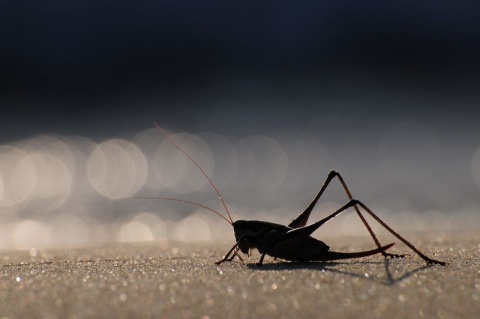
(171, 280)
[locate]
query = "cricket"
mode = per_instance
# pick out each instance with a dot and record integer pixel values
(293, 242)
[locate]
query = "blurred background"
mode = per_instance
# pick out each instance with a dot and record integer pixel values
(267, 97)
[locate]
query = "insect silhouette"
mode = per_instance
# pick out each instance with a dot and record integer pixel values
(293, 241)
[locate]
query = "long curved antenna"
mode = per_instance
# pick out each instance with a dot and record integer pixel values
(198, 166)
(186, 202)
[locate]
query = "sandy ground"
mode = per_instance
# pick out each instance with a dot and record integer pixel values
(171, 280)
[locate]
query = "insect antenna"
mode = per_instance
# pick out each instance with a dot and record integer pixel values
(204, 174)
(186, 202)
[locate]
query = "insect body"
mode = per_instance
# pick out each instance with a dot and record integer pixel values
(293, 242)
(288, 243)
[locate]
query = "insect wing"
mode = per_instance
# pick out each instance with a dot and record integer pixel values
(293, 239)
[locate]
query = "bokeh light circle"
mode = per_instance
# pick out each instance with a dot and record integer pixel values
(53, 181)
(192, 229)
(134, 231)
(117, 168)
(31, 234)
(18, 176)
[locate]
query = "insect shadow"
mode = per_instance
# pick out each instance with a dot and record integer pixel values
(293, 241)
(332, 267)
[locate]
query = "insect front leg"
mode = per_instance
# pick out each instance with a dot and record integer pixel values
(235, 254)
(226, 257)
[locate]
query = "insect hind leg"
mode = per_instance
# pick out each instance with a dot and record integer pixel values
(302, 219)
(394, 233)
(364, 221)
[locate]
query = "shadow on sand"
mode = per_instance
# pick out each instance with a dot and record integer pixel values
(388, 280)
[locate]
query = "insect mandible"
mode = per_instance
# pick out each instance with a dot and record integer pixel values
(293, 241)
